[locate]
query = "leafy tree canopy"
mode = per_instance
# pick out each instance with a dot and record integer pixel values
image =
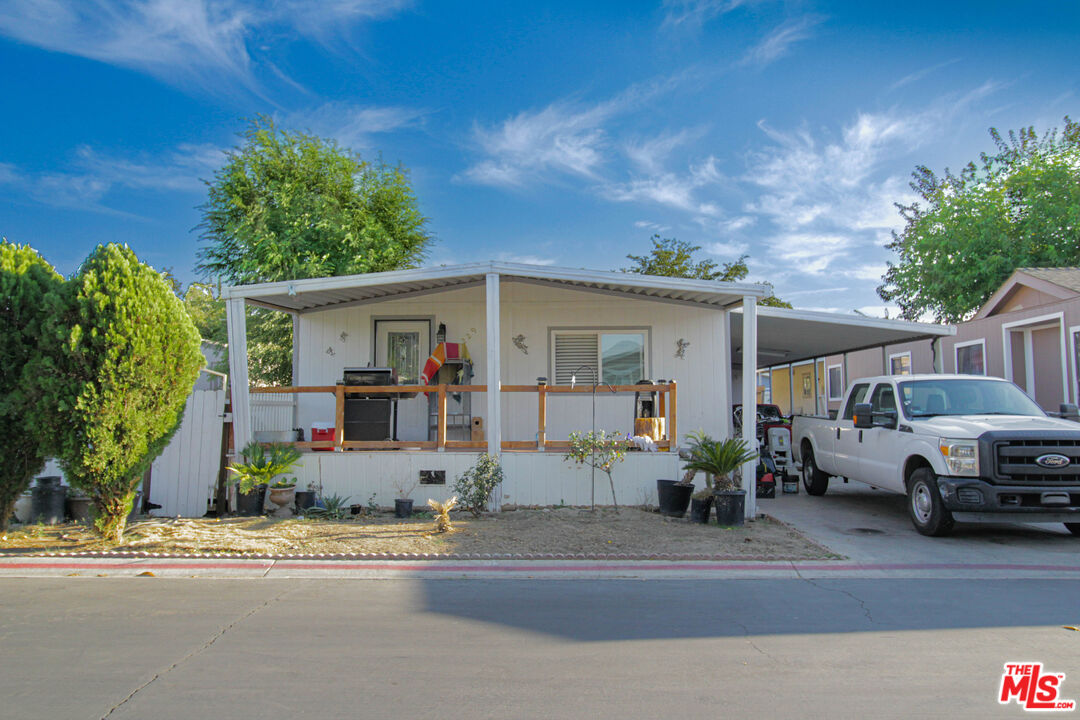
(968, 232)
(287, 205)
(122, 357)
(675, 258)
(27, 285)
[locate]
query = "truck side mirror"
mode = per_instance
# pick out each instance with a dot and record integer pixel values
(863, 416)
(1069, 411)
(885, 419)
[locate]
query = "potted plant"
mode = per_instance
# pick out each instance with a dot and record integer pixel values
(403, 503)
(259, 468)
(307, 498)
(283, 494)
(718, 459)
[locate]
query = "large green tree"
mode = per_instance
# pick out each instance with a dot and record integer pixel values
(121, 357)
(675, 258)
(288, 205)
(1019, 207)
(27, 284)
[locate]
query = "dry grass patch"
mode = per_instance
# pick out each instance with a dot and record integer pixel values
(632, 531)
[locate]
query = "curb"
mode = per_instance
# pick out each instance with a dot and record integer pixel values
(396, 557)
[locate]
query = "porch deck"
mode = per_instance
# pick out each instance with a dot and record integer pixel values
(667, 408)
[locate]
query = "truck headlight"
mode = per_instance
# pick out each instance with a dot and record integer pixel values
(961, 456)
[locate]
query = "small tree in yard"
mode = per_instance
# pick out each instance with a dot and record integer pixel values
(476, 484)
(598, 450)
(125, 355)
(27, 283)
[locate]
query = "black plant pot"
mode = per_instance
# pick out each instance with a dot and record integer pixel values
(304, 499)
(674, 498)
(403, 507)
(251, 504)
(730, 507)
(699, 510)
(47, 501)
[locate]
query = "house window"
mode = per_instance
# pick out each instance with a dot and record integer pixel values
(900, 364)
(971, 358)
(836, 382)
(612, 357)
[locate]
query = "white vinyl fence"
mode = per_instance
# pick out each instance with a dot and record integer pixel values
(183, 477)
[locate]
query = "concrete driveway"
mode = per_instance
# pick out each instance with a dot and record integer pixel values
(870, 526)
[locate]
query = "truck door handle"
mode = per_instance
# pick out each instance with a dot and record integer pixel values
(837, 433)
(860, 436)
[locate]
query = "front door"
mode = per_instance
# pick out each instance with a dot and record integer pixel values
(405, 346)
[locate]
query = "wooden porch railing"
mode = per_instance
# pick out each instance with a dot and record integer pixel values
(667, 406)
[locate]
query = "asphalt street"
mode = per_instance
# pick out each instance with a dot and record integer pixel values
(156, 647)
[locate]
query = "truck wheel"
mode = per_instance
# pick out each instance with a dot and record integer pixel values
(815, 480)
(1074, 528)
(927, 509)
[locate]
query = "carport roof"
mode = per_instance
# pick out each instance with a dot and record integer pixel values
(349, 290)
(785, 336)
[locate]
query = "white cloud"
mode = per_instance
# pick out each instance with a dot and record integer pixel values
(351, 125)
(726, 249)
(693, 14)
(920, 74)
(809, 253)
(564, 138)
(93, 175)
(777, 43)
(191, 42)
(526, 259)
(8, 174)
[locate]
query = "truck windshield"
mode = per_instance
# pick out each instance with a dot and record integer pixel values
(929, 398)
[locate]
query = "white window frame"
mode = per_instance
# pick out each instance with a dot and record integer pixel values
(907, 354)
(981, 342)
(1072, 392)
(1027, 325)
(829, 389)
(645, 332)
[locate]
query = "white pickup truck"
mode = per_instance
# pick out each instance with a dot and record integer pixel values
(961, 447)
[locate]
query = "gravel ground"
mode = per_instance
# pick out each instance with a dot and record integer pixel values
(632, 531)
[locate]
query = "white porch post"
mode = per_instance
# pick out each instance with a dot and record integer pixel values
(494, 367)
(296, 368)
(749, 400)
(238, 371)
(723, 396)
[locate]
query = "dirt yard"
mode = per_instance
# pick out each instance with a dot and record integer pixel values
(632, 531)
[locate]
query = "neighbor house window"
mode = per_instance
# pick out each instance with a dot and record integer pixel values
(900, 364)
(836, 382)
(971, 358)
(617, 357)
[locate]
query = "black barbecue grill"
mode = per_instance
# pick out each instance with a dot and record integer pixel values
(370, 416)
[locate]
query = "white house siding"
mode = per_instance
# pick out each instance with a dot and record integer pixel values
(531, 478)
(532, 311)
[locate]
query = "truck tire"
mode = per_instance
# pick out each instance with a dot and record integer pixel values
(814, 479)
(1074, 528)
(925, 506)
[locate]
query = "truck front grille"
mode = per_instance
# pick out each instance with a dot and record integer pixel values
(1015, 459)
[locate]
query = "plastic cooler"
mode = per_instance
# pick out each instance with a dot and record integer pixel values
(322, 431)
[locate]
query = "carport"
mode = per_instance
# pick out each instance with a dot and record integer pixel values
(803, 338)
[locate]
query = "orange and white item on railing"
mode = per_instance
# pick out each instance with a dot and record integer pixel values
(443, 352)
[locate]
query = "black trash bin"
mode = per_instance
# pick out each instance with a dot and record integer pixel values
(47, 501)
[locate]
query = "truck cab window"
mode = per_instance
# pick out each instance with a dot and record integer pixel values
(858, 393)
(883, 398)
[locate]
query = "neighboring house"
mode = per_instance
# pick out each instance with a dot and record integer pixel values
(1027, 332)
(518, 323)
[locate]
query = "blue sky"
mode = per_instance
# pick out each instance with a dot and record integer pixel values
(564, 133)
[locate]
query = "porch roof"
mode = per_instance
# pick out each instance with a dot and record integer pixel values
(785, 336)
(316, 294)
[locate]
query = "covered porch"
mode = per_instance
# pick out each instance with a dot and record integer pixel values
(548, 350)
